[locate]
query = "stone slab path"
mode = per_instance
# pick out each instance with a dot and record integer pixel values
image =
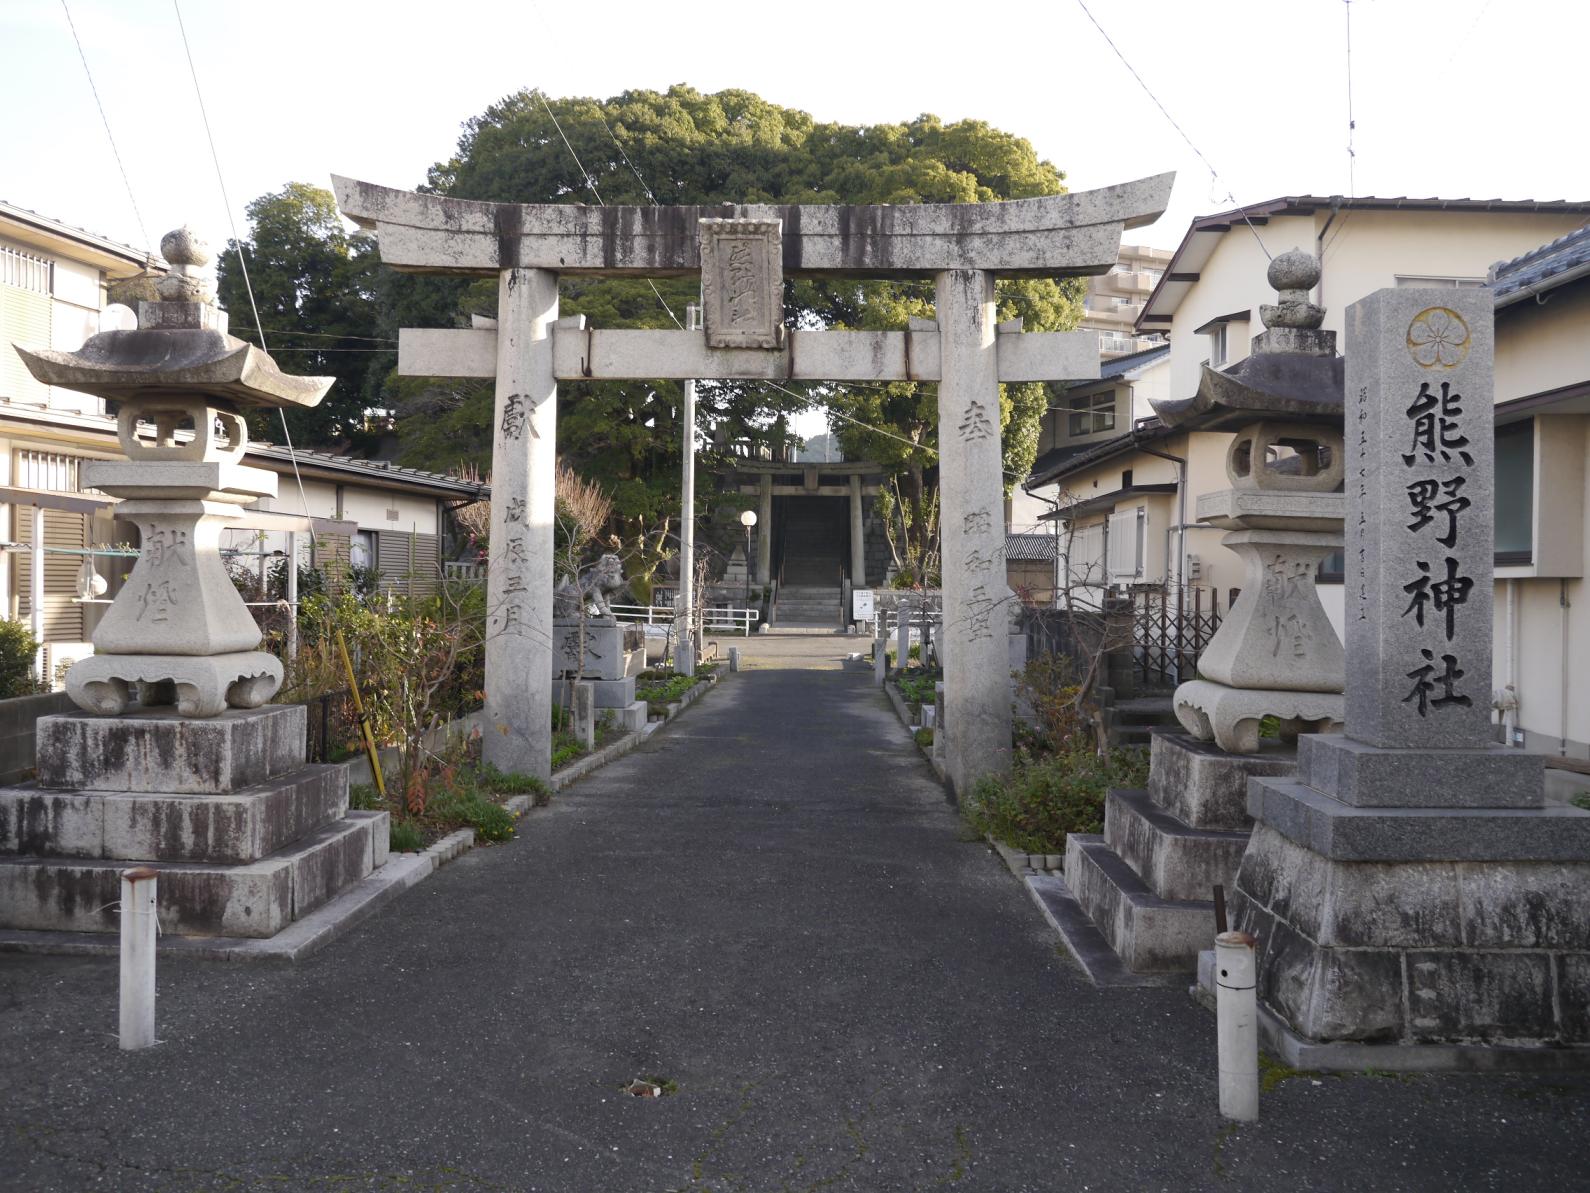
(770, 905)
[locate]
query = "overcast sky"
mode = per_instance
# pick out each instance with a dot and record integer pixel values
(1456, 99)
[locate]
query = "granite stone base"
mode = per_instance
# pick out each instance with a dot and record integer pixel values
(251, 899)
(234, 826)
(1427, 951)
(1148, 882)
(1368, 776)
(632, 718)
(609, 693)
(157, 750)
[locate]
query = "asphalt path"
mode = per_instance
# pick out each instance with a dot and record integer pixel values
(772, 909)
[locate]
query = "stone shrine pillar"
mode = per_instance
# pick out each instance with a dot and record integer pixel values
(764, 532)
(517, 735)
(972, 503)
(858, 539)
(1417, 904)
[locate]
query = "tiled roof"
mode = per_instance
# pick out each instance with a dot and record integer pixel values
(1552, 264)
(29, 216)
(1030, 547)
(378, 469)
(1122, 365)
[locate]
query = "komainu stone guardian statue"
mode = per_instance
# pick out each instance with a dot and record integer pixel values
(178, 631)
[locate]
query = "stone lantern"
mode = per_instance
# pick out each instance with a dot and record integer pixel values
(216, 794)
(178, 630)
(1276, 654)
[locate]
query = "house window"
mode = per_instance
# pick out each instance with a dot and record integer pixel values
(49, 471)
(1515, 493)
(1092, 413)
(1217, 346)
(1406, 280)
(24, 270)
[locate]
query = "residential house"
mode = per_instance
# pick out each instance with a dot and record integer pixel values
(63, 553)
(1542, 631)
(1130, 499)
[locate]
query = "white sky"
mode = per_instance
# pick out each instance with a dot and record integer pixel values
(1458, 99)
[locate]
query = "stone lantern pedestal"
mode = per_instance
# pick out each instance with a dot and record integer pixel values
(180, 764)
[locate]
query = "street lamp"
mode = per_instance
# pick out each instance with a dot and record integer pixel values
(747, 520)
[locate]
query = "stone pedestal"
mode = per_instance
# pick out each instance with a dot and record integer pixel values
(245, 836)
(1147, 883)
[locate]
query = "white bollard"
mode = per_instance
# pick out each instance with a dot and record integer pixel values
(1237, 1027)
(138, 925)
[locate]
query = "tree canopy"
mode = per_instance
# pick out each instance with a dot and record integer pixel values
(317, 290)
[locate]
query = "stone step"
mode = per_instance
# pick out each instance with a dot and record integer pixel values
(1148, 933)
(1174, 859)
(157, 750)
(253, 899)
(236, 826)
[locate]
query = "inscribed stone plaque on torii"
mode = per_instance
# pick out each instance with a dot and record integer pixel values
(1421, 476)
(742, 283)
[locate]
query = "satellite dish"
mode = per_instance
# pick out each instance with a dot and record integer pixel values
(117, 317)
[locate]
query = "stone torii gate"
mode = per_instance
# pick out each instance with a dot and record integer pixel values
(741, 254)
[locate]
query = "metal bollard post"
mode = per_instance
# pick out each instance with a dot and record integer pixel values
(1237, 1027)
(138, 925)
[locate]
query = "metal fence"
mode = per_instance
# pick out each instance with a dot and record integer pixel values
(726, 618)
(1170, 629)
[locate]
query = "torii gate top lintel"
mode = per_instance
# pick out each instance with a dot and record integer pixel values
(1073, 234)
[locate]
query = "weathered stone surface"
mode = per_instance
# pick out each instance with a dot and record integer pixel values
(1525, 905)
(977, 602)
(1174, 859)
(1480, 996)
(335, 857)
(1236, 509)
(33, 820)
(1231, 716)
(1356, 995)
(606, 656)
(1375, 905)
(199, 685)
(1336, 830)
(1148, 933)
(241, 826)
(1419, 542)
(1048, 236)
(254, 899)
(608, 693)
(742, 283)
(517, 735)
(630, 718)
(1573, 997)
(1277, 635)
(1206, 787)
(156, 750)
(1368, 776)
(1285, 880)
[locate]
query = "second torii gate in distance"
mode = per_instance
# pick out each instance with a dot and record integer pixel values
(742, 253)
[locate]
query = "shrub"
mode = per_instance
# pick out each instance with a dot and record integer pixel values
(18, 647)
(924, 738)
(406, 837)
(1048, 796)
(916, 686)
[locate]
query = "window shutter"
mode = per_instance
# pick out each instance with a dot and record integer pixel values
(1123, 544)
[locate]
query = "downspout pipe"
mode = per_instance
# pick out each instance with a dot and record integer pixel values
(1181, 508)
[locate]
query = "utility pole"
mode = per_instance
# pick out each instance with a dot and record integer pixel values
(684, 634)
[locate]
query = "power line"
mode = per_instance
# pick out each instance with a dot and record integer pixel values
(237, 242)
(319, 335)
(1213, 173)
(109, 136)
(1352, 125)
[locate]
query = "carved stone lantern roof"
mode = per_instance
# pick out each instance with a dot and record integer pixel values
(180, 347)
(1293, 375)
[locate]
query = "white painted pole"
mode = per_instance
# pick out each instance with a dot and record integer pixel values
(1237, 1027)
(292, 599)
(36, 593)
(685, 654)
(137, 958)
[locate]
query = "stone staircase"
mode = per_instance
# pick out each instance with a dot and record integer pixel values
(1146, 884)
(1132, 720)
(807, 606)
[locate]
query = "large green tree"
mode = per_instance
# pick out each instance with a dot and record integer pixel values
(683, 147)
(320, 307)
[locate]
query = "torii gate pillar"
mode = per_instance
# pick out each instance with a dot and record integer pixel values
(517, 735)
(971, 492)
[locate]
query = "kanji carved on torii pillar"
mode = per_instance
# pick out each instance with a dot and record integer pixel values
(964, 247)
